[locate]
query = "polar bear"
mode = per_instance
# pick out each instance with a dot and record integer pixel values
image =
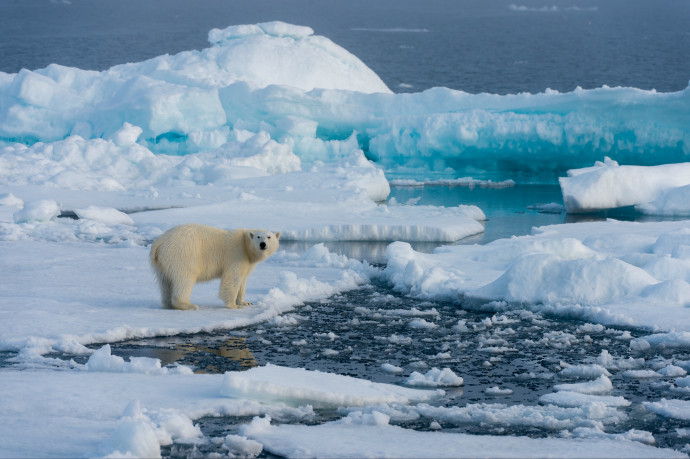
(191, 253)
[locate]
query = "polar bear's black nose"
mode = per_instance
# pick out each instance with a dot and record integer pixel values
(262, 245)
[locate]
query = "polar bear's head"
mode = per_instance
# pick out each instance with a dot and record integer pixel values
(263, 243)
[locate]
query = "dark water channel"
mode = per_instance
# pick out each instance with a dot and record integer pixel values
(355, 333)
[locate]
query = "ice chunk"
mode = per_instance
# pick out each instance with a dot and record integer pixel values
(601, 385)
(421, 323)
(640, 374)
(301, 387)
(346, 439)
(675, 409)
(497, 391)
(37, 211)
(611, 186)
(241, 446)
(435, 378)
(134, 436)
(576, 399)
(102, 360)
(584, 371)
(392, 369)
(106, 215)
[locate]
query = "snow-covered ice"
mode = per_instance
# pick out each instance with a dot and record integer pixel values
(373, 437)
(610, 272)
(653, 189)
(297, 386)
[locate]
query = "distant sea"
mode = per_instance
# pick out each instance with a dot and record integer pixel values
(492, 46)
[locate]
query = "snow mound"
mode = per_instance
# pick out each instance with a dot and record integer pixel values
(606, 272)
(37, 211)
(290, 55)
(655, 189)
(299, 386)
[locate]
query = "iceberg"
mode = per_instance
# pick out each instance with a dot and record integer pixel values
(305, 90)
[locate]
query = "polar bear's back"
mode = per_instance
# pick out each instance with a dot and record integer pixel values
(200, 250)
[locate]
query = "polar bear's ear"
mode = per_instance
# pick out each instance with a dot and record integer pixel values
(277, 235)
(251, 235)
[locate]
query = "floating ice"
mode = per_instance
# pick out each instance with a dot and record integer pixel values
(584, 371)
(676, 409)
(434, 378)
(350, 439)
(302, 387)
(601, 385)
(608, 185)
(497, 391)
(106, 215)
(608, 272)
(102, 360)
(577, 399)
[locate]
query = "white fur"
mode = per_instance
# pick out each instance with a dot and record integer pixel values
(191, 253)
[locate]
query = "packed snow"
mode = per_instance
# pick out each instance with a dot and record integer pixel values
(95, 165)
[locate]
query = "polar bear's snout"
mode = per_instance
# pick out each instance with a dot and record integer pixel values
(262, 246)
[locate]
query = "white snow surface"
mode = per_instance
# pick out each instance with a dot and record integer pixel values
(610, 272)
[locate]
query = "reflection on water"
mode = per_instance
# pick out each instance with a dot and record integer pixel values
(226, 353)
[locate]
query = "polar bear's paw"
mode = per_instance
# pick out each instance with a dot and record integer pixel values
(185, 306)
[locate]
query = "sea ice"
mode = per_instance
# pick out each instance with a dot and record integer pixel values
(677, 409)
(298, 386)
(434, 378)
(37, 211)
(608, 185)
(602, 272)
(355, 439)
(601, 385)
(252, 79)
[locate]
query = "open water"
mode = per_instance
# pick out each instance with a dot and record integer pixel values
(497, 46)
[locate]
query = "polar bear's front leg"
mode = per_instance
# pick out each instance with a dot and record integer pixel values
(240, 295)
(229, 290)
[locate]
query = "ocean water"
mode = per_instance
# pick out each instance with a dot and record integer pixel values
(497, 46)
